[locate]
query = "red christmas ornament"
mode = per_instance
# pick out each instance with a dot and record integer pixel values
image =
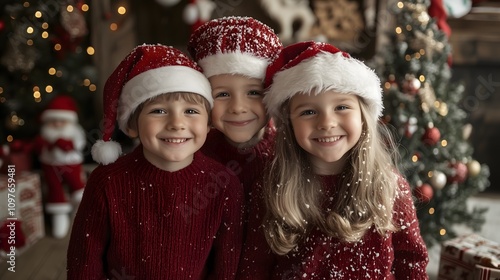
(431, 136)
(424, 193)
(459, 173)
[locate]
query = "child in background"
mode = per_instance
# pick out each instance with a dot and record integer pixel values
(334, 205)
(164, 211)
(234, 53)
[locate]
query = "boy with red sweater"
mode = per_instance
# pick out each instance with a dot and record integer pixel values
(164, 211)
(234, 53)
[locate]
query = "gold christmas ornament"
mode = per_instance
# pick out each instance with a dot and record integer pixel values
(474, 168)
(443, 109)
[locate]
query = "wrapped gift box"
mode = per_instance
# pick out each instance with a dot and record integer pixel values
(22, 161)
(461, 255)
(486, 273)
(21, 217)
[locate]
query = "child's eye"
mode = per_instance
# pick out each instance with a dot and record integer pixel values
(255, 93)
(342, 107)
(307, 112)
(158, 111)
(221, 94)
(192, 111)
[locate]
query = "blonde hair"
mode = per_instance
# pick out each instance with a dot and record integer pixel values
(190, 97)
(365, 196)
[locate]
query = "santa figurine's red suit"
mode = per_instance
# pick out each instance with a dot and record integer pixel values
(60, 145)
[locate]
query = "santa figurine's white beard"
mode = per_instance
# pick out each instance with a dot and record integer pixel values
(70, 131)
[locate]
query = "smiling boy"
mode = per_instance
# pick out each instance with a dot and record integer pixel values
(164, 211)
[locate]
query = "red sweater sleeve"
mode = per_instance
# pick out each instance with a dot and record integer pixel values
(89, 235)
(257, 259)
(410, 251)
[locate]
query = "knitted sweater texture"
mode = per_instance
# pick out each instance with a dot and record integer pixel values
(249, 163)
(400, 255)
(136, 220)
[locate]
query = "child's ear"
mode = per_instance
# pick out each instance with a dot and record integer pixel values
(132, 133)
(132, 125)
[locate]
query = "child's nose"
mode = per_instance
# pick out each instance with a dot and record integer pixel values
(237, 105)
(327, 121)
(175, 122)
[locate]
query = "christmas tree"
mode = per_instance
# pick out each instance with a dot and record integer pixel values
(44, 52)
(425, 110)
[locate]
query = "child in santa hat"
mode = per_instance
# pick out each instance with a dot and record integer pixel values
(333, 205)
(165, 210)
(60, 146)
(234, 53)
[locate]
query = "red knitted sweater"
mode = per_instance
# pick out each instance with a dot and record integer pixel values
(248, 164)
(141, 221)
(400, 255)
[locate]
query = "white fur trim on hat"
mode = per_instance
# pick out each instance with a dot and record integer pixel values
(71, 116)
(106, 152)
(158, 81)
(246, 64)
(326, 71)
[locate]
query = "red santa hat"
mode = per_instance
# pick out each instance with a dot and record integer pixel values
(313, 67)
(234, 45)
(148, 71)
(62, 107)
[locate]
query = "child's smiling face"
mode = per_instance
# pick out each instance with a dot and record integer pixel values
(238, 109)
(171, 131)
(327, 126)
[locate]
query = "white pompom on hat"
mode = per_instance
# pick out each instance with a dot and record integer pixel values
(234, 45)
(148, 71)
(313, 67)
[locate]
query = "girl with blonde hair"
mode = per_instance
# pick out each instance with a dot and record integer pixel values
(332, 204)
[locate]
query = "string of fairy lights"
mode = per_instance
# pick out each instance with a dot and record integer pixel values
(413, 84)
(423, 45)
(35, 22)
(30, 31)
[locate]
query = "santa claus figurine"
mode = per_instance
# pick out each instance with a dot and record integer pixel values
(60, 145)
